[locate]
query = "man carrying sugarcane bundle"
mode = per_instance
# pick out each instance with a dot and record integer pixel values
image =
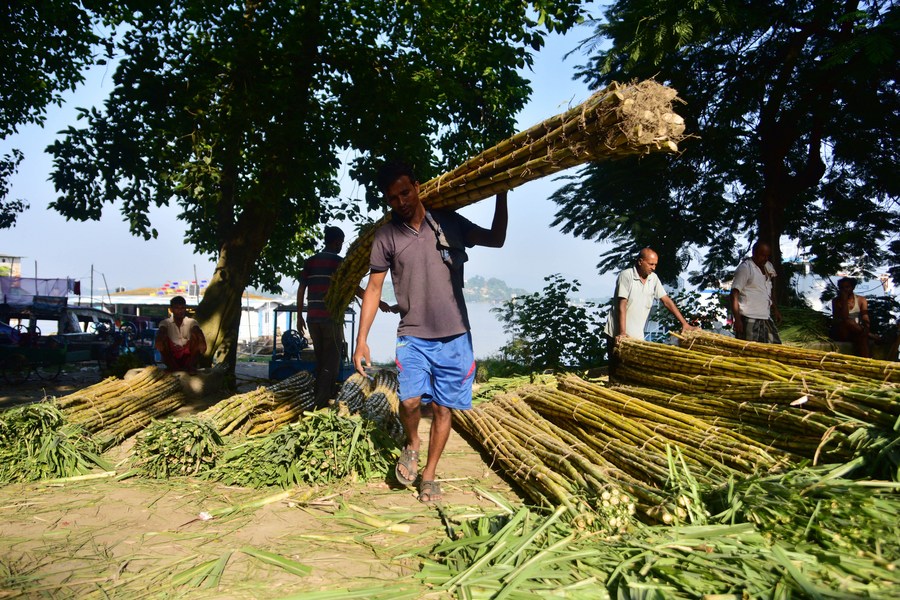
(753, 306)
(425, 252)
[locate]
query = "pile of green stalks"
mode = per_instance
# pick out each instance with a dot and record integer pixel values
(115, 408)
(177, 447)
(37, 443)
(322, 448)
(264, 409)
(802, 325)
(808, 534)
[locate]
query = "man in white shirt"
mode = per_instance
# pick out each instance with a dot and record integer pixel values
(636, 289)
(753, 298)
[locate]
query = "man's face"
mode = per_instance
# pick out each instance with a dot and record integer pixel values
(761, 254)
(403, 197)
(178, 311)
(647, 264)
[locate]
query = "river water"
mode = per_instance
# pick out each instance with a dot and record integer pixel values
(488, 334)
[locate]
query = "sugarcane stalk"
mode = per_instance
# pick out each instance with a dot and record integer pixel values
(606, 126)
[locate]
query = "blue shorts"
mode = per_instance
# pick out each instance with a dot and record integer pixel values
(440, 370)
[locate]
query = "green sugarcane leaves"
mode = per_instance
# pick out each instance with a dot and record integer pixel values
(37, 442)
(322, 448)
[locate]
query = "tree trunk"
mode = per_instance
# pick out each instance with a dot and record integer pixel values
(770, 225)
(219, 312)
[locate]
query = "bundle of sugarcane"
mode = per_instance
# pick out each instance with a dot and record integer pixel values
(321, 448)
(36, 443)
(382, 406)
(803, 434)
(264, 409)
(553, 466)
(178, 447)
(725, 445)
(116, 408)
(136, 420)
(803, 397)
(545, 486)
(833, 362)
(618, 121)
(353, 392)
(641, 448)
(757, 380)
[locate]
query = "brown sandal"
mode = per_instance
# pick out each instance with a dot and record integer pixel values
(430, 491)
(409, 460)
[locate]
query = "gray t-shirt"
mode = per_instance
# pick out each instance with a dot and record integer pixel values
(428, 292)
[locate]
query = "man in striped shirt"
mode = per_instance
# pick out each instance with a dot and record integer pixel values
(327, 334)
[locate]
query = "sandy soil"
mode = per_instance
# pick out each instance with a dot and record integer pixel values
(131, 538)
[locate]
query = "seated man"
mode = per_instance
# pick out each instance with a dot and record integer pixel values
(180, 340)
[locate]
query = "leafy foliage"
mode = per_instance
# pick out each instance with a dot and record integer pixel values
(243, 113)
(321, 448)
(549, 332)
(795, 110)
(703, 310)
(36, 442)
(235, 110)
(45, 46)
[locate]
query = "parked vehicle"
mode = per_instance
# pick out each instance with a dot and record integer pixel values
(82, 334)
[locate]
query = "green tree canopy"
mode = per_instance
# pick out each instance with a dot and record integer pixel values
(794, 106)
(45, 45)
(242, 112)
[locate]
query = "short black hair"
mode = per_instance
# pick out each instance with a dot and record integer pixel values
(179, 300)
(333, 233)
(851, 280)
(391, 171)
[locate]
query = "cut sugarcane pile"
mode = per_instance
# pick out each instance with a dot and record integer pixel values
(375, 399)
(761, 379)
(117, 408)
(722, 416)
(618, 121)
(264, 409)
(832, 362)
(568, 444)
(192, 446)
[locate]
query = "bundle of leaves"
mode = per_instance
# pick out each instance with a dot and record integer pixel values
(802, 324)
(817, 508)
(322, 448)
(177, 447)
(36, 443)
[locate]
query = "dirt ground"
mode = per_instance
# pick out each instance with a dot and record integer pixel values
(138, 538)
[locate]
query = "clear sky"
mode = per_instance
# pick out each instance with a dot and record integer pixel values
(52, 247)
